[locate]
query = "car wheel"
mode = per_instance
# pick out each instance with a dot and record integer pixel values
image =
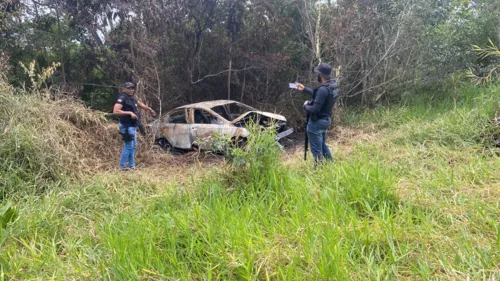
(164, 144)
(286, 142)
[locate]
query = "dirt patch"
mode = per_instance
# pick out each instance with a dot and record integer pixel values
(167, 166)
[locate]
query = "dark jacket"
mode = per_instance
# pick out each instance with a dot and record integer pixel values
(323, 100)
(129, 104)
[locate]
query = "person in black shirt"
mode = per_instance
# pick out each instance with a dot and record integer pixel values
(320, 111)
(126, 108)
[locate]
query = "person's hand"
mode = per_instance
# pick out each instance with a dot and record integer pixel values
(133, 116)
(152, 112)
(306, 102)
(300, 87)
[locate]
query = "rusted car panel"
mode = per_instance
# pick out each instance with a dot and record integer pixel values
(203, 133)
(183, 136)
(267, 114)
(195, 124)
(178, 135)
(211, 104)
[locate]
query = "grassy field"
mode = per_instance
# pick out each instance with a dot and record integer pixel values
(413, 194)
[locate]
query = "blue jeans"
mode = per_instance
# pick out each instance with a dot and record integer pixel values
(128, 152)
(316, 132)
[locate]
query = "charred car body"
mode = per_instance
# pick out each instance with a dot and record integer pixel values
(183, 127)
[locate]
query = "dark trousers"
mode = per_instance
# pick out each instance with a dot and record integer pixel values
(316, 132)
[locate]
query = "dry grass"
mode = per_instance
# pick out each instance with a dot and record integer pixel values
(79, 141)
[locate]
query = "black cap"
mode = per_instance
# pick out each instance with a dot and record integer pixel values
(324, 70)
(129, 85)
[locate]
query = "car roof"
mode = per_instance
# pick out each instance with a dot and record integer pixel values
(208, 104)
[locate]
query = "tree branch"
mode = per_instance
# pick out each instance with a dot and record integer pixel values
(219, 73)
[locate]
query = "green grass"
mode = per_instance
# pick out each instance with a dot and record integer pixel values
(420, 201)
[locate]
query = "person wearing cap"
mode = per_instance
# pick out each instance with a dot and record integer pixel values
(126, 108)
(319, 110)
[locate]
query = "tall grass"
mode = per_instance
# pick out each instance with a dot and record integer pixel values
(445, 116)
(418, 201)
(45, 141)
(256, 165)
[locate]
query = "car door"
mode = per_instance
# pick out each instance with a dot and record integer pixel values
(206, 124)
(203, 127)
(176, 129)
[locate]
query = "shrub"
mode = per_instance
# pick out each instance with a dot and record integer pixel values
(254, 160)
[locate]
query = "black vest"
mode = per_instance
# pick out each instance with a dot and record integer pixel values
(129, 104)
(327, 108)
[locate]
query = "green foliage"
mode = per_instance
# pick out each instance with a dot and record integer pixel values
(38, 80)
(380, 47)
(101, 99)
(253, 233)
(252, 159)
(488, 51)
(366, 187)
(461, 117)
(8, 214)
(491, 74)
(412, 197)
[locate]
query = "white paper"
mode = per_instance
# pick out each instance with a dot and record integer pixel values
(292, 85)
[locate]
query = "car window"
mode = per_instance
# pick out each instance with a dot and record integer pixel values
(200, 117)
(177, 117)
(221, 110)
(203, 117)
(238, 109)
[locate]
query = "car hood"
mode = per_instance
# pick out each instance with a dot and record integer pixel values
(263, 113)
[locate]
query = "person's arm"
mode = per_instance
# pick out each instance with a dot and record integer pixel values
(321, 96)
(308, 91)
(145, 107)
(117, 110)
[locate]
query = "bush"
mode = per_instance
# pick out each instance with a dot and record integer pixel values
(253, 161)
(43, 140)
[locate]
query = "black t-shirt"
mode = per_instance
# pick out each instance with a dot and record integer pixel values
(129, 104)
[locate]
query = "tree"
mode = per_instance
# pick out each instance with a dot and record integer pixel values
(182, 51)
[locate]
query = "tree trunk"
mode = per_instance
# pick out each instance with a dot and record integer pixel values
(229, 73)
(61, 48)
(244, 83)
(318, 34)
(267, 83)
(363, 81)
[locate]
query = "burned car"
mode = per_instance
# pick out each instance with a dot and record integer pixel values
(184, 127)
